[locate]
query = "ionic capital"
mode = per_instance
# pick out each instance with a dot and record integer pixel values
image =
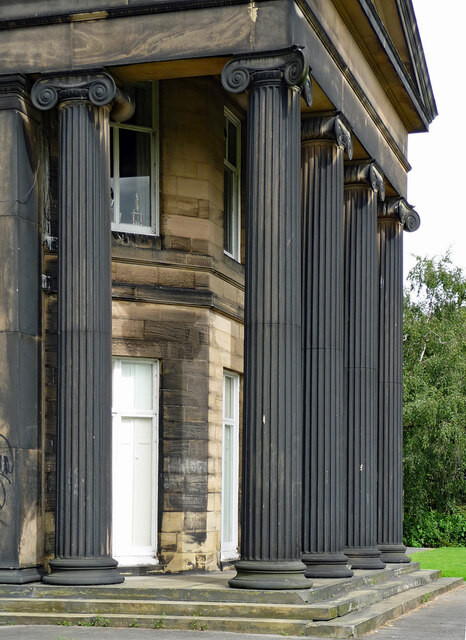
(332, 126)
(97, 88)
(289, 65)
(398, 209)
(365, 172)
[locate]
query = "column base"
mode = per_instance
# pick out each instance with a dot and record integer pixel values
(326, 565)
(21, 576)
(83, 571)
(364, 557)
(393, 553)
(265, 574)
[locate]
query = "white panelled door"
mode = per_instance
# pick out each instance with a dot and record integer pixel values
(135, 456)
(230, 462)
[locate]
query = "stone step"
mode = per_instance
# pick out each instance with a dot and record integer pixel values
(326, 610)
(203, 588)
(193, 623)
(361, 598)
(352, 625)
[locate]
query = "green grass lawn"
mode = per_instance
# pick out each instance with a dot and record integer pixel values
(450, 560)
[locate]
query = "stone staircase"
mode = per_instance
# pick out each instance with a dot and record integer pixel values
(332, 608)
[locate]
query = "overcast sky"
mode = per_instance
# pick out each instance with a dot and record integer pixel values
(436, 184)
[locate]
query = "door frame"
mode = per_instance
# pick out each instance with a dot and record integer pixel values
(151, 556)
(230, 550)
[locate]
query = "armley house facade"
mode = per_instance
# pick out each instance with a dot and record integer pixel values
(202, 205)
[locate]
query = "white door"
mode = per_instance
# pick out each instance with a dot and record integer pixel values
(230, 450)
(135, 404)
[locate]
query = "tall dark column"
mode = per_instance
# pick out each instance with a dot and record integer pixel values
(324, 139)
(363, 182)
(83, 514)
(21, 537)
(394, 216)
(272, 434)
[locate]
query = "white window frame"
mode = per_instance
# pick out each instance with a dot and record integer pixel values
(236, 171)
(229, 548)
(115, 128)
(146, 555)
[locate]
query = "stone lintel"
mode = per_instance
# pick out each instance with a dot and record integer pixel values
(328, 126)
(399, 210)
(290, 65)
(365, 172)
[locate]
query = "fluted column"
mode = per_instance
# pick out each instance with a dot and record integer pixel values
(83, 512)
(324, 139)
(363, 184)
(394, 215)
(272, 440)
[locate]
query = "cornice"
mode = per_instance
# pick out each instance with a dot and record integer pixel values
(15, 84)
(368, 173)
(414, 92)
(353, 83)
(416, 51)
(288, 65)
(97, 88)
(328, 126)
(123, 11)
(15, 94)
(397, 209)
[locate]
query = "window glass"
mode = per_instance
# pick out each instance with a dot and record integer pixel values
(231, 187)
(232, 143)
(228, 389)
(135, 161)
(229, 211)
(133, 172)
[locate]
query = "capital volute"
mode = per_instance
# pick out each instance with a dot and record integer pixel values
(288, 65)
(99, 89)
(398, 209)
(367, 173)
(328, 126)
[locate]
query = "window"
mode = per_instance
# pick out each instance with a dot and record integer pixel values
(230, 450)
(135, 457)
(231, 187)
(134, 165)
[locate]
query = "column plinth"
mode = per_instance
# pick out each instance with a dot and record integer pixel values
(363, 182)
(324, 139)
(272, 433)
(83, 512)
(394, 215)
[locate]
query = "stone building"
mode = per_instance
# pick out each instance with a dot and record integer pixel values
(178, 179)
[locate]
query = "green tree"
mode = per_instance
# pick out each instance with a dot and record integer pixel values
(434, 405)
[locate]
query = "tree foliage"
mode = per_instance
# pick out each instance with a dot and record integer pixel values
(434, 407)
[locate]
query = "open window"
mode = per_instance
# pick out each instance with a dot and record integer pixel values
(134, 165)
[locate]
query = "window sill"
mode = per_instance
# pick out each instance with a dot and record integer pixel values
(143, 240)
(230, 256)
